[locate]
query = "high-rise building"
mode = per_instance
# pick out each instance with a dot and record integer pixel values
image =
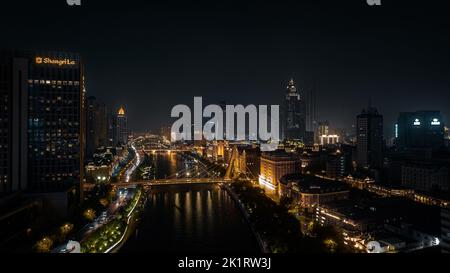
(42, 121)
(369, 138)
(121, 127)
(293, 121)
(13, 122)
(96, 126)
(111, 128)
(421, 129)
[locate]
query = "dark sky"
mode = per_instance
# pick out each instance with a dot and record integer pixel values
(152, 55)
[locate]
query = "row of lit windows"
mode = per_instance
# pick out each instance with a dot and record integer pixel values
(54, 123)
(53, 82)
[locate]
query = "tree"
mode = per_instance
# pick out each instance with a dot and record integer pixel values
(64, 230)
(44, 245)
(89, 214)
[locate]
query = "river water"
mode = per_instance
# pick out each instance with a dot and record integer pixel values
(190, 218)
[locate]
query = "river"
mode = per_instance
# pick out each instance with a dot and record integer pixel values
(190, 218)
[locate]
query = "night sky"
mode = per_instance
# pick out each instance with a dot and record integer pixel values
(152, 55)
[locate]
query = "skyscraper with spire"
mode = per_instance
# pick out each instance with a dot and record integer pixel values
(293, 118)
(121, 127)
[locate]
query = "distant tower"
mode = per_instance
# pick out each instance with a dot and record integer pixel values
(369, 138)
(121, 126)
(293, 121)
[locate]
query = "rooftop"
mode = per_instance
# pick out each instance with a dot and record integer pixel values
(313, 184)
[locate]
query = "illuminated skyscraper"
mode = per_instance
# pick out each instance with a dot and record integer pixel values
(293, 120)
(42, 120)
(121, 127)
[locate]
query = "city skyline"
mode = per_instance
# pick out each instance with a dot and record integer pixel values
(180, 51)
(233, 127)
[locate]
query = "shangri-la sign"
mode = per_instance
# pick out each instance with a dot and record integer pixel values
(59, 62)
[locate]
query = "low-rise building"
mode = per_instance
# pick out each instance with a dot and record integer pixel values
(425, 176)
(275, 165)
(309, 191)
(359, 183)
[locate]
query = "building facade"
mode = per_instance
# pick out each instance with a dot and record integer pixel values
(14, 72)
(369, 138)
(43, 98)
(293, 121)
(335, 165)
(329, 139)
(418, 130)
(309, 191)
(425, 176)
(275, 165)
(323, 129)
(96, 126)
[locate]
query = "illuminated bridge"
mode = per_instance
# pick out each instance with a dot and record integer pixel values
(163, 150)
(200, 173)
(175, 181)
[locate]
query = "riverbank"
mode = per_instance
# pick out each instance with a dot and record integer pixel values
(262, 244)
(280, 231)
(193, 219)
(111, 236)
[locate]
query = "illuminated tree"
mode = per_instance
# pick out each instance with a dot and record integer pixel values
(44, 245)
(89, 214)
(65, 229)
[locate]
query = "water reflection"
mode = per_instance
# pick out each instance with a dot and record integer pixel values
(190, 218)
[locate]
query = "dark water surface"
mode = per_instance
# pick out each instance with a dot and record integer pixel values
(190, 218)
